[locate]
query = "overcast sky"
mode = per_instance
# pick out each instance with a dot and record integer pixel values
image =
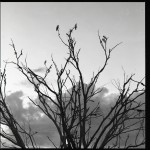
(32, 26)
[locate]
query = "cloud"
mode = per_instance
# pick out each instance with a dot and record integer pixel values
(42, 124)
(106, 102)
(25, 83)
(110, 101)
(32, 115)
(40, 69)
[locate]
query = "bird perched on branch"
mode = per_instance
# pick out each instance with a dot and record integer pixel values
(57, 28)
(75, 26)
(104, 39)
(21, 52)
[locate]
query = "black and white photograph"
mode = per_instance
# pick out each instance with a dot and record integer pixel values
(72, 75)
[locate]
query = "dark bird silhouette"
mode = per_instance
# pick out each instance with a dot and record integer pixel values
(45, 62)
(21, 52)
(104, 39)
(57, 28)
(75, 26)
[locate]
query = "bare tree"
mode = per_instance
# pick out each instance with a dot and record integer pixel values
(20, 136)
(71, 112)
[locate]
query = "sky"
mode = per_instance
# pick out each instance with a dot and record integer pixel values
(32, 26)
(42, 124)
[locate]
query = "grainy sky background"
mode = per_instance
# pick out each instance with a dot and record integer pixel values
(32, 26)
